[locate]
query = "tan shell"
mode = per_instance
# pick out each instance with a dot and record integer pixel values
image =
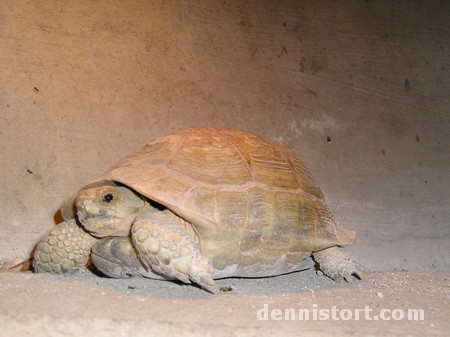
(249, 198)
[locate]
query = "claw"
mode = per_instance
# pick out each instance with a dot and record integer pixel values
(211, 289)
(359, 275)
(207, 282)
(347, 276)
(183, 277)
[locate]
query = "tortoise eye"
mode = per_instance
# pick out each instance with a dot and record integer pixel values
(107, 198)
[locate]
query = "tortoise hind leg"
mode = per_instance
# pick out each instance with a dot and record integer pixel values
(337, 264)
(165, 244)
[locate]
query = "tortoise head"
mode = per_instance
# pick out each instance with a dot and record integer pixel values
(108, 210)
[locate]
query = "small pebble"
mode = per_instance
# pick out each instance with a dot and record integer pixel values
(380, 295)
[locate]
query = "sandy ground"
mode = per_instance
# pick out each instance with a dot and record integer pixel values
(86, 304)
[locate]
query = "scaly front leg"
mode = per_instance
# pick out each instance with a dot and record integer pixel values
(164, 245)
(65, 249)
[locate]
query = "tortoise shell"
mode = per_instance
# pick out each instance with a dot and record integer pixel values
(251, 201)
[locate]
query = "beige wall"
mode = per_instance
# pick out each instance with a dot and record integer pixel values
(84, 82)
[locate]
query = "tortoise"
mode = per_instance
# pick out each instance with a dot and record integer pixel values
(197, 205)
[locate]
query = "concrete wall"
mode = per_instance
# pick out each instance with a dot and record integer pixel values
(358, 89)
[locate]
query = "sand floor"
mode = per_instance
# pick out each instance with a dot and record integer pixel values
(86, 304)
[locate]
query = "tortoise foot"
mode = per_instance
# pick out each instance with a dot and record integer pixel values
(337, 264)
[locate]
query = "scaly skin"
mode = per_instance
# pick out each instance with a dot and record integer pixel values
(164, 245)
(65, 249)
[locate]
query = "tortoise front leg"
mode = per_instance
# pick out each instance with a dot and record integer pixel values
(65, 249)
(164, 245)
